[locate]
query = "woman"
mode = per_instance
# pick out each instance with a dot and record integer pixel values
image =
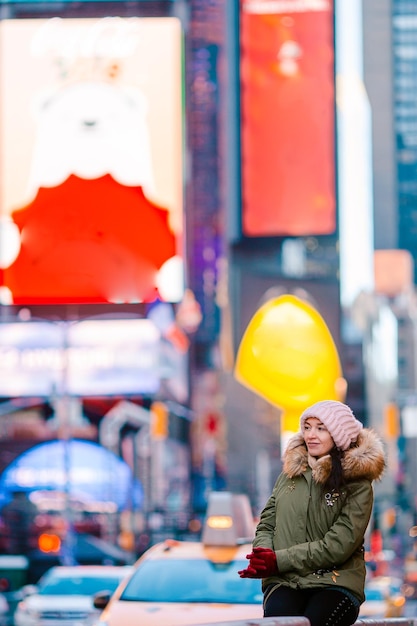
(308, 546)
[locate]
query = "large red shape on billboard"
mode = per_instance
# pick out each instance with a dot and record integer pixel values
(91, 180)
(110, 243)
(287, 90)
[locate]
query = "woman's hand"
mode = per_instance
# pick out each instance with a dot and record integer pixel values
(262, 564)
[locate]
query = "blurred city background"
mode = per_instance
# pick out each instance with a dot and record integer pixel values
(168, 167)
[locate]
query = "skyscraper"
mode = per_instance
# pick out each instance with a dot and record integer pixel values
(390, 75)
(404, 39)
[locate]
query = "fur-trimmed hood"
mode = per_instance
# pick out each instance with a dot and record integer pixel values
(364, 459)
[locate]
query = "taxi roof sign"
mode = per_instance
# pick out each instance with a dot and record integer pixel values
(229, 520)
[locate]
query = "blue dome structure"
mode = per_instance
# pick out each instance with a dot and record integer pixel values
(83, 469)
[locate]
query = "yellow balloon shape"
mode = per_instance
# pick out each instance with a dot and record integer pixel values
(287, 355)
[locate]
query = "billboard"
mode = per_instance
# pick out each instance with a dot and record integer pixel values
(287, 101)
(89, 358)
(91, 142)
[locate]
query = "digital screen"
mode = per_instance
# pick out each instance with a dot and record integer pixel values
(91, 200)
(287, 102)
(87, 358)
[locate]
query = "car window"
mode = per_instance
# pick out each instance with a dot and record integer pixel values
(374, 594)
(192, 581)
(76, 585)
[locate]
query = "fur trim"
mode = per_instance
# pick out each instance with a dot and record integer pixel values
(364, 459)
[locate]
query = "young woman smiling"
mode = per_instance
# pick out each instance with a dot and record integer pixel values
(309, 543)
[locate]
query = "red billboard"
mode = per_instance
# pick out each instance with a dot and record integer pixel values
(287, 98)
(91, 177)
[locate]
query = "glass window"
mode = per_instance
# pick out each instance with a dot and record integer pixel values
(76, 585)
(374, 594)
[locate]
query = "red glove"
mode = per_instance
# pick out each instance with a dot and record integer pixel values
(262, 564)
(249, 572)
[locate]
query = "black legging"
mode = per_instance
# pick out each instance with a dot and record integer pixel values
(323, 607)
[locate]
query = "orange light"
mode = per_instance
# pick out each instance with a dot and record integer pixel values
(159, 420)
(220, 521)
(49, 543)
(391, 421)
(194, 525)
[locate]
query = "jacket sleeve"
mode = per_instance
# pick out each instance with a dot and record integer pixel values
(342, 539)
(265, 529)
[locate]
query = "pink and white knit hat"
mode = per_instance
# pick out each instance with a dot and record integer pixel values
(339, 420)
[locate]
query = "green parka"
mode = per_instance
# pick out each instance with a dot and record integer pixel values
(318, 536)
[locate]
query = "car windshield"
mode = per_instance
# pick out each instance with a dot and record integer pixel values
(54, 585)
(192, 581)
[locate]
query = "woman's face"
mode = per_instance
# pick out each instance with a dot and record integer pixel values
(317, 437)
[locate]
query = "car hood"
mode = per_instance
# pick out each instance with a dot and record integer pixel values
(176, 614)
(42, 603)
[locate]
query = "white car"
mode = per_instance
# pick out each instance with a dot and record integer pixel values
(64, 595)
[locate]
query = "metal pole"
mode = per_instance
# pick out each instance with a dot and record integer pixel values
(68, 556)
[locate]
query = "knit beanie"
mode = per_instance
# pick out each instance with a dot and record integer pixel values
(339, 420)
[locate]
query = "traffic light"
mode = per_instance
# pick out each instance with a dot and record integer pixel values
(48, 542)
(159, 420)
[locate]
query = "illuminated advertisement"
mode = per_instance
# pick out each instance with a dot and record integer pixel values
(95, 475)
(91, 201)
(287, 91)
(87, 358)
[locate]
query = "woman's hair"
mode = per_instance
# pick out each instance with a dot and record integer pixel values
(336, 480)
